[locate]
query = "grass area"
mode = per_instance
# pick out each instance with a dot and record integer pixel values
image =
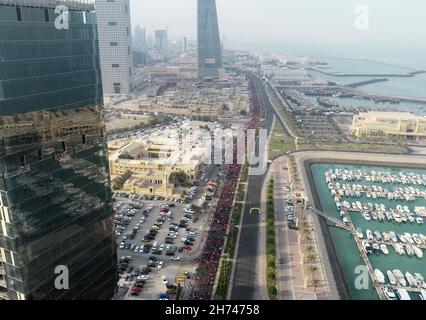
(280, 142)
(271, 270)
(231, 239)
(282, 110)
(223, 282)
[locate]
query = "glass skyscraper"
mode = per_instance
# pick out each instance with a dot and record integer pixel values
(55, 196)
(209, 49)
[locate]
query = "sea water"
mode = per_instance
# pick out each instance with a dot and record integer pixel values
(344, 243)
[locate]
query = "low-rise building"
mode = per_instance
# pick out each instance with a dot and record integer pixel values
(399, 124)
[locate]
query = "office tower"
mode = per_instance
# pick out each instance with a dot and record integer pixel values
(55, 197)
(185, 45)
(161, 41)
(139, 42)
(115, 45)
(209, 52)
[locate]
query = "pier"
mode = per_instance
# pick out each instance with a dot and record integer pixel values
(335, 221)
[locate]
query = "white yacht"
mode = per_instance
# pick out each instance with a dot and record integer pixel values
(399, 248)
(411, 280)
(369, 234)
(391, 277)
(366, 216)
(380, 276)
(419, 220)
(359, 233)
(367, 247)
(403, 294)
(422, 294)
(417, 251)
(377, 235)
(420, 280)
(417, 239)
(402, 238)
(409, 250)
(400, 277)
(389, 293)
(384, 249)
(408, 237)
(393, 237)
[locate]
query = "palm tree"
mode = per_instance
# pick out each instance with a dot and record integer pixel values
(313, 269)
(315, 282)
(312, 257)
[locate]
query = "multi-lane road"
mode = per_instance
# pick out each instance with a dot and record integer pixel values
(244, 281)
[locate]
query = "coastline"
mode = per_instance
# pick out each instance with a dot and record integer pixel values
(336, 273)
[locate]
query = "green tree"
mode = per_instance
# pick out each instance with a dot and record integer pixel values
(178, 178)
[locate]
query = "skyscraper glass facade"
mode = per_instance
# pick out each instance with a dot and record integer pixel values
(55, 198)
(209, 49)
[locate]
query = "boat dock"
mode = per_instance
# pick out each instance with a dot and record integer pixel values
(351, 228)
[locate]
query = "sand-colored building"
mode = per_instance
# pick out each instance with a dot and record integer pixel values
(400, 124)
(151, 164)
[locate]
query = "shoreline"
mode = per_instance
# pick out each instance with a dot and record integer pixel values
(337, 272)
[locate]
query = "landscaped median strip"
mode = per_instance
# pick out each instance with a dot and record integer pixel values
(271, 269)
(231, 240)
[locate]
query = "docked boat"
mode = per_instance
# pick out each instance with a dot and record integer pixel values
(402, 238)
(422, 237)
(384, 249)
(369, 234)
(397, 217)
(359, 233)
(420, 280)
(409, 250)
(403, 294)
(399, 248)
(393, 237)
(380, 276)
(422, 295)
(376, 247)
(392, 278)
(367, 247)
(419, 220)
(378, 235)
(411, 280)
(389, 293)
(366, 216)
(400, 277)
(409, 238)
(417, 239)
(417, 251)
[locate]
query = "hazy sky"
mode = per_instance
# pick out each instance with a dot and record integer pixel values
(391, 22)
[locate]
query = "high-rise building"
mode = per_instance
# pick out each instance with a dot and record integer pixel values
(209, 51)
(115, 45)
(161, 41)
(56, 216)
(139, 42)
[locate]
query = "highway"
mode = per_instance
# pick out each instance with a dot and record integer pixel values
(244, 282)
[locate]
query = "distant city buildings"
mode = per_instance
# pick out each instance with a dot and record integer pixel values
(139, 42)
(56, 214)
(209, 47)
(393, 124)
(115, 45)
(161, 41)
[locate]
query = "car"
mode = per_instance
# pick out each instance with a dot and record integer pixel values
(136, 290)
(136, 249)
(122, 245)
(188, 243)
(142, 249)
(175, 258)
(160, 264)
(190, 239)
(164, 279)
(156, 227)
(255, 211)
(146, 239)
(162, 247)
(137, 226)
(143, 277)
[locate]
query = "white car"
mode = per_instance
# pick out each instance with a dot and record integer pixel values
(162, 247)
(143, 277)
(136, 249)
(164, 279)
(183, 239)
(122, 245)
(141, 248)
(160, 265)
(175, 258)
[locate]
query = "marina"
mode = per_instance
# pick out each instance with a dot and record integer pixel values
(383, 209)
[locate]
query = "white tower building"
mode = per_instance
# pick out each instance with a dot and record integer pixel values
(115, 45)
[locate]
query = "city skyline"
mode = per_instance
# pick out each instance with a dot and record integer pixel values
(328, 21)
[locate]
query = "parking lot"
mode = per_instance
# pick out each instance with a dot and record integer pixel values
(157, 241)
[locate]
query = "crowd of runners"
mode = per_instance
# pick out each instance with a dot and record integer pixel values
(205, 274)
